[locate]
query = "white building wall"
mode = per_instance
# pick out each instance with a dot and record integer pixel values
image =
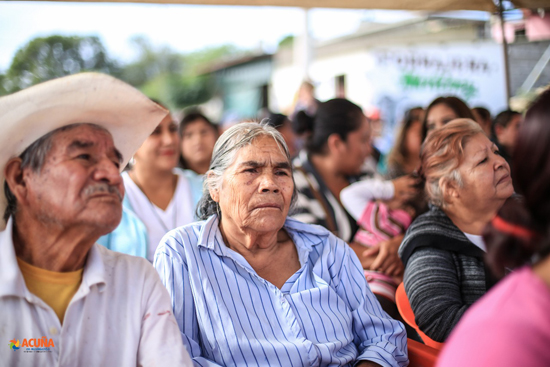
(397, 77)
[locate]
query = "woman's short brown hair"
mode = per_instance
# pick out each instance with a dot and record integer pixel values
(441, 155)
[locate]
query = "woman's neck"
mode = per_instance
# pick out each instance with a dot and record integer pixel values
(158, 185)
(272, 255)
(200, 167)
(542, 270)
(471, 220)
(335, 180)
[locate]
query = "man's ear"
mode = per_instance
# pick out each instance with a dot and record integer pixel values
(15, 180)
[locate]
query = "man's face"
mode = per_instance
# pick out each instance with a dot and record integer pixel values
(79, 183)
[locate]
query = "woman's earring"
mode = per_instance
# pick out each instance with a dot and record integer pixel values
(132, 161)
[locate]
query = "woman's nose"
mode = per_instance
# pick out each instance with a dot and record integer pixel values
(268, 183)
(500, 162)
(168, 138)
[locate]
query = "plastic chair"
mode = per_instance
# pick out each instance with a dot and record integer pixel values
(406, 312)
(421, 355)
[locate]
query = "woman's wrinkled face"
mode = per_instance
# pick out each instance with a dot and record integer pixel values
(356, 149)
(256, 190)
(439, 115)
(197, 142)
(485, 174)
(160, 149)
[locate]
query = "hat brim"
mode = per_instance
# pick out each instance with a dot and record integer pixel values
(94, 98)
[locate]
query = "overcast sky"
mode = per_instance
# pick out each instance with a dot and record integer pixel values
(182, 27)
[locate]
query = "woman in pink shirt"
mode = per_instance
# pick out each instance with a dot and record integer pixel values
(510, 326)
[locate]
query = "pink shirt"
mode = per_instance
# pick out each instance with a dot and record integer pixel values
(509, 326)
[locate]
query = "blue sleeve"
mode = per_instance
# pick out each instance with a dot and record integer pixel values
(378, 337)
(130, 237)
(171, 264)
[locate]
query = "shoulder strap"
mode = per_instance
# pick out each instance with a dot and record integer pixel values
(331, 225)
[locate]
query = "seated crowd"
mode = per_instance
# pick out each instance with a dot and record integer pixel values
(280, 243)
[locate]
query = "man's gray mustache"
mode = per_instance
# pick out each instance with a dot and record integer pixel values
(102, 187)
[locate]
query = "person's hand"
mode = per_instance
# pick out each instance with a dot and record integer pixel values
(387, 261)
(405, 188)
(359, 250)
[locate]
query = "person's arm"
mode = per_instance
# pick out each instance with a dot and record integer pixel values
(379, 339)
(173, 274)
(356, 196)
(160, 339)
(433, 288)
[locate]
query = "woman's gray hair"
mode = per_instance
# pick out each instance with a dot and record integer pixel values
(441, 156)
(225, 152)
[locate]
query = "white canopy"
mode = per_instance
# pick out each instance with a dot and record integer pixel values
(431, 5)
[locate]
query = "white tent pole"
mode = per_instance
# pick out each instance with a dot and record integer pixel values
(505, 50)
(303, 47)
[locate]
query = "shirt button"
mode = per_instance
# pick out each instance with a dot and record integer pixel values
(53, 330)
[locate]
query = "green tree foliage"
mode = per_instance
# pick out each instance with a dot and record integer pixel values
(55, 56)
(3, 90)
(175, 79)
(151, 63)
(178, 80)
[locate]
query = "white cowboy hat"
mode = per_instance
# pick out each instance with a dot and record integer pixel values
(95, 98)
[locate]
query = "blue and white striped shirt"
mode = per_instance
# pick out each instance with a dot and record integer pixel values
(324, 315)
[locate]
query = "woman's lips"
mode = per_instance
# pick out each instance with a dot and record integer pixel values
(268, 206)
(504, 178)
(168, 153)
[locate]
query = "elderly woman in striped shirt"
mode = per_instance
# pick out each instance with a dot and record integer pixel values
(250, 286)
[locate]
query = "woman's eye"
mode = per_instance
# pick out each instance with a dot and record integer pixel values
(483, 161)
(86, 157)
(251, 170)
(281, 173)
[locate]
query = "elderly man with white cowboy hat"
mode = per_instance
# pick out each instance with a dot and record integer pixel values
(65, 300)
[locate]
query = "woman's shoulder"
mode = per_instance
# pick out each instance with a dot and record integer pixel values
(306, 229)
(181, 239)
(312, 235)
(512, 316)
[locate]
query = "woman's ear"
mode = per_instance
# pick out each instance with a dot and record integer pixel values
(14, 179)
(334, 143)
(214, 192)
(449, 189)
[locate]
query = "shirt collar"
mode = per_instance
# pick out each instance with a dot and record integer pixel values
(304, 236)
(12, 281)
(94, 270)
